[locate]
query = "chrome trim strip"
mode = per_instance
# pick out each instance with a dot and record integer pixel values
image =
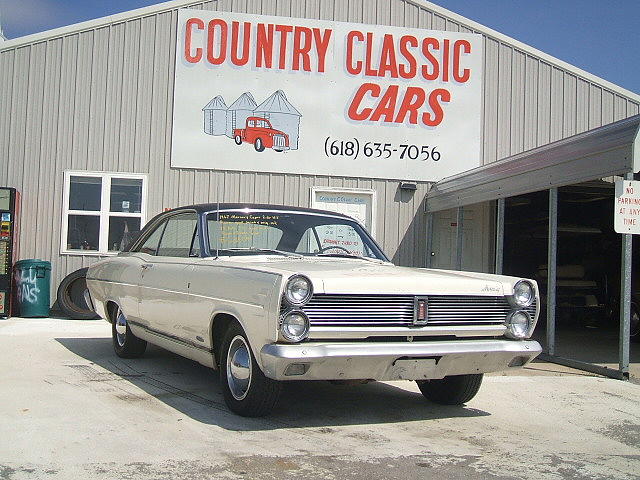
(174, 338)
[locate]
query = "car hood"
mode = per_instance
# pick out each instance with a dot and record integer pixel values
(357, 276)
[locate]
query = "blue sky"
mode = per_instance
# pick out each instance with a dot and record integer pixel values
(599, 36)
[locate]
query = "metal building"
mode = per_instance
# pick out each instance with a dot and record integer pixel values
(93, 101)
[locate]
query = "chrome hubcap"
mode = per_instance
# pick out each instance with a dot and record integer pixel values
(239, 367)
(121, 328)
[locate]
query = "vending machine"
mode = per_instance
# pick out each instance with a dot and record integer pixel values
(9, 201)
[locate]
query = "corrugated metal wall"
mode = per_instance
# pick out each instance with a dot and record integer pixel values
(101, 99)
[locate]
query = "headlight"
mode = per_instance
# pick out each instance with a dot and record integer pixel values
(298, 290)
(295, 326)
(523, 294)
(518, 324)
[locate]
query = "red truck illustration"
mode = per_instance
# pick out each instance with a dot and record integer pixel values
(261, 134)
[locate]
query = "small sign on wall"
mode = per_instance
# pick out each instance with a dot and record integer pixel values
(358, 203)
(626, 218)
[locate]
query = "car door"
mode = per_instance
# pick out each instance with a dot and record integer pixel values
(164, 276)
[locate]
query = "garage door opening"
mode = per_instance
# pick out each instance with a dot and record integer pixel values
(587, 273)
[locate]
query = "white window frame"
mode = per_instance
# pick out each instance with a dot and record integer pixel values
(104, 213)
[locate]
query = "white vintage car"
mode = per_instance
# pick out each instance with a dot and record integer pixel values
(267, 294)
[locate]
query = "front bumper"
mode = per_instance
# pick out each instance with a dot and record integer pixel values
(393, 360)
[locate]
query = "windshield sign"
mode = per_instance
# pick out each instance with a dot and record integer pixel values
(287, 233)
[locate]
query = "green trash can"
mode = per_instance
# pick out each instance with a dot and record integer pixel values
(33, 284)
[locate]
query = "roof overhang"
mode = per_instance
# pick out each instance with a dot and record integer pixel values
(613, 149)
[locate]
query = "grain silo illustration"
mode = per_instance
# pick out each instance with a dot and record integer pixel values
(282, 115)
(215, 116)
(238, 112)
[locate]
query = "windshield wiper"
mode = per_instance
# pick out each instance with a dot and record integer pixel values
(264, 250)
(347, 255)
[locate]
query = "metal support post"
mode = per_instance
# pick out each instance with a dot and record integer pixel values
(429, 239)
(625, 299)
(459, 237)
(552, 257)
(500, 236)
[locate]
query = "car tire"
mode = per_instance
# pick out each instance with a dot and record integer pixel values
(246, 390)
(72, 294)
(451, 390)
(634, 329)
(258, 144)
(238, 140)
(125, 343)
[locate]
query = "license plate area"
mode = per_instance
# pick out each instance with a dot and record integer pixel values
(414, 368)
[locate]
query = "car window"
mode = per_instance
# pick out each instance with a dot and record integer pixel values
(245, 232)
(150, 245)
(341, 238)
(308, 242)
(180, 237)
(233, 231)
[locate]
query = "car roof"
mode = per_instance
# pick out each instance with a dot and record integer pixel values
(208, 207)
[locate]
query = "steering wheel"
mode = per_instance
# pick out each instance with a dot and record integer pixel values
(334, 247)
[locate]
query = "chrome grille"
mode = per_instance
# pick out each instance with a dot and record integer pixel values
(397, 310)
(278, 141)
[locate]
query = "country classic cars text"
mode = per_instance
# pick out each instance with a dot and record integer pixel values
(417, 70)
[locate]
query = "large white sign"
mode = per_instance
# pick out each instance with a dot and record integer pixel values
(626, 218)
(280, 94)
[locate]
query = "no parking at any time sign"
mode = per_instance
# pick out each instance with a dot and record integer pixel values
(626, 218)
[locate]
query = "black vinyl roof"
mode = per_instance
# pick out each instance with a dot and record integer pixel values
(208, 207)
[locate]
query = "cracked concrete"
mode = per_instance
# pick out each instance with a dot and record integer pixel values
(71, 409)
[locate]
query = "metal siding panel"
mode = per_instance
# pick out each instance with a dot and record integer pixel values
(531, 104)
(518, 91)
(290, 190)
(425, 19)
(6, 93)
(383, 12)
(504, 101)
(369, 10)
(355, 10)
(30, 178)
(582, 106)
(544, 102)
(452, 26)
(595, 106)
(619, 108)
(557, 89)
(632, 108)
(438, 22)
(276, 188)
(254, 7)
(569, 106)
(397, 14)
(18, 122)
(98, 100)
(607, 107)
(130, 77)
(491, 94)
(341, 11)
(269, 7)
(49, 176)
(82, 101)
(411, 15)
(112, 121)
(262, 187)
(144, 95)
(283, 8)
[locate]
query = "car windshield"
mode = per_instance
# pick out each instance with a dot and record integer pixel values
(242, 232)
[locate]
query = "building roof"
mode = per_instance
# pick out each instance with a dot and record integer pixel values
(278, 103)
(216, 103)
(244, 102)
(475, 27)
(612, 149)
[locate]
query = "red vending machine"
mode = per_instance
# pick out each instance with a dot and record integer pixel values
(9, 201)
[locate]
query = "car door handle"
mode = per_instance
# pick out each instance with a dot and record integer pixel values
(145, 266)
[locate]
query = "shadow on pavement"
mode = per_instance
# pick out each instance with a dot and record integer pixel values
(194, 390)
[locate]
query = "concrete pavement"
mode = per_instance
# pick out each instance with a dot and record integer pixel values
(70, 408)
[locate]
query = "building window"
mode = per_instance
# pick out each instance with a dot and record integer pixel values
(102, 211)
